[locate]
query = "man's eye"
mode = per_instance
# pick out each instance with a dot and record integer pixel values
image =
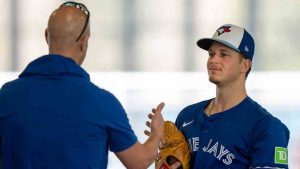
(224, 54)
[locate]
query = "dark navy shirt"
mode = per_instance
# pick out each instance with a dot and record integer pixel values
(53, 117)
(245, 136)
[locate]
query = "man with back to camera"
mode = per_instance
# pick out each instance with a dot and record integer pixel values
(53, 117)
(232, 130)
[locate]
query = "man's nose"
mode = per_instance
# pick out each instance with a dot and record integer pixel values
(214, 58)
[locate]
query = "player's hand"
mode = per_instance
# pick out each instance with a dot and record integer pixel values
(156, 123)
(175, 165)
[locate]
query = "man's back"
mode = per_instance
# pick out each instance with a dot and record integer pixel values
(54, 117)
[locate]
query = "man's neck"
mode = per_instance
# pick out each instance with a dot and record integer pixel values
(65, 53)
(227, 97)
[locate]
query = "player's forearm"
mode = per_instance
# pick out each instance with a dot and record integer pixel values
(150, 149)
(145, 154)
(140, 156)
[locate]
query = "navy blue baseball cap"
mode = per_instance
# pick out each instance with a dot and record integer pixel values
(232, 36)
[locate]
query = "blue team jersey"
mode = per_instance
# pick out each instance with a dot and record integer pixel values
(245, 136)
(53, 117)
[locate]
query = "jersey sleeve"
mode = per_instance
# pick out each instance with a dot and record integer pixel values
(178, 120)
(268, 146)
(182, 115)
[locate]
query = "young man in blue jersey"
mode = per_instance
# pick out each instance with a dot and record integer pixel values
(231, 130)
(54, 117)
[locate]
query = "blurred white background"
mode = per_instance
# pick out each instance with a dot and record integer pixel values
(145, 52)
(132, 35)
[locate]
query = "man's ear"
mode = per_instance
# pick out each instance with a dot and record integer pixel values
(83, 42)
(246, 65)
(46, 35)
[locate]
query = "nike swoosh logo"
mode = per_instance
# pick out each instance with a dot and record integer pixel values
(187, 123)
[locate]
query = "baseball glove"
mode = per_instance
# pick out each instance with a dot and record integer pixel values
(173, 147)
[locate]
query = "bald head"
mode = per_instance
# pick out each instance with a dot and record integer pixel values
(64, 26)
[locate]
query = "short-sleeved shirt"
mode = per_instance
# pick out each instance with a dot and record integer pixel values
(53, 117)
(245, 136)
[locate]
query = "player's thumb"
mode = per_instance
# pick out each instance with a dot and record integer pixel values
(160, 107)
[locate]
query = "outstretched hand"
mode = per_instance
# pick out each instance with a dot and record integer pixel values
(156, 123)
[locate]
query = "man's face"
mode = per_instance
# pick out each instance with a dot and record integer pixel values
(224, 64)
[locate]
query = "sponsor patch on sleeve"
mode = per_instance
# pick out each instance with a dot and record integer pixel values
(281, 155)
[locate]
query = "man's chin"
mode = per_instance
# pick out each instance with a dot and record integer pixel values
(214, 81)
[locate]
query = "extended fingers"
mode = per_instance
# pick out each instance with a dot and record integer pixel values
(155, 118)
(158, 108)
(148, 124)
(147, 132)
(150, 116)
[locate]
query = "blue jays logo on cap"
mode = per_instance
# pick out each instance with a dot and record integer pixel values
(232, 36)
(223, 29)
